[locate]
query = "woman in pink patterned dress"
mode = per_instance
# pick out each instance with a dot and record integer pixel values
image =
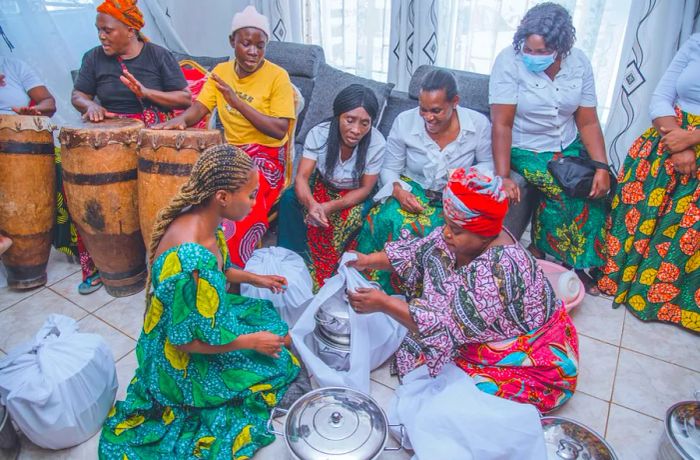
(478, 298)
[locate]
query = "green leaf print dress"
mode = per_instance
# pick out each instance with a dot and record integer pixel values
(186, 406)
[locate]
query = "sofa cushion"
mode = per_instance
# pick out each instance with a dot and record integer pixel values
(204, 61)
(297, 59)
(328, 84)
(473, 87)
(398, 102)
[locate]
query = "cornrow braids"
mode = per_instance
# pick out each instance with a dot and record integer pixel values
(221, 167)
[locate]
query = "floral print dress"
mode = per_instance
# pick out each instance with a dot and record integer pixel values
(497, 318)
(188, 405)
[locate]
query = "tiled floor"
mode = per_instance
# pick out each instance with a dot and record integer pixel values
(631, 372)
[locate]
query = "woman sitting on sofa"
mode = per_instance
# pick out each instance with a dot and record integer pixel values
(423, 145)
(340, 166)
(477, 297)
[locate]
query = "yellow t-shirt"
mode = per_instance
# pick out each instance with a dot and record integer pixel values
(268, 90)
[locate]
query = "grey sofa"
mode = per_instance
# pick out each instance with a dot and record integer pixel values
(319, 83)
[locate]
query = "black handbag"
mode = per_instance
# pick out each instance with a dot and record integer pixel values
(575, 175)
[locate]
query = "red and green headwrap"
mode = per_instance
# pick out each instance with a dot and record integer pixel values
(475, 201)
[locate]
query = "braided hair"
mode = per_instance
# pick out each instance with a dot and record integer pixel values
(221, 167)
(348, 99)
(553, 23)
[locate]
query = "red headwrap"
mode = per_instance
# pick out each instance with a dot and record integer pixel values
(475, 201)
(124, 11)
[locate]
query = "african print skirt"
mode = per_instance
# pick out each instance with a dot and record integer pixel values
(245, 235)
(385, 222)
(538, 368)
(567, 228)
(653, 267)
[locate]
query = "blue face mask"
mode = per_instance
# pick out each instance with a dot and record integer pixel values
(538, 63)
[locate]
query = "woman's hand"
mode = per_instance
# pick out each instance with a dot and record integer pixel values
(685, 161)
(266, 343)
(96, 113)
(407, 201)
(275, 283)
(225, 89)
(26, 110)
(361, 264)
(317, 215)
(600, 185)
(511, 188)
(133, 84)
(677, 140)
(367, 300)
(176, 123)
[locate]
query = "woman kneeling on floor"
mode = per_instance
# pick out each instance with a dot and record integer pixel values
(340, 166)
(211, 364)
(477, 297)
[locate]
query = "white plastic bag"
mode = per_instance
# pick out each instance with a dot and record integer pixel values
(283, 262)
(374, 337)
(449, 417)
(59, 386)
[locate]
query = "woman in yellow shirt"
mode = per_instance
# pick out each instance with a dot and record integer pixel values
(255, 102)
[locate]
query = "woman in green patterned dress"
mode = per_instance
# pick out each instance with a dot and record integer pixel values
(211, 364)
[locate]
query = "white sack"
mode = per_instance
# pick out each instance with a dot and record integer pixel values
(59, 386)
(280, 261)
(374, 337)
(448, 417)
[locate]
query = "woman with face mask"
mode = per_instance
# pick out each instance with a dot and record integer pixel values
(543, 106)
(340, 166)
(424, 144)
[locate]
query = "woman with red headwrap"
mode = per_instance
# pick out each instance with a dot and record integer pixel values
(131, 77)
(478, 298)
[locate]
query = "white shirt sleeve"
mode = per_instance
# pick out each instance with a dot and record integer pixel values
(315, 140)
(665, 94)
(483, 155)
(375, 153)
(27, 76)
(588, 97)
(503, 81)
(394, 154)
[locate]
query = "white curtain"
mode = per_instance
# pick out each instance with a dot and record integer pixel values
(655, 32)
(52, 36)
(285, 18)
(354, 34)
(414, 32)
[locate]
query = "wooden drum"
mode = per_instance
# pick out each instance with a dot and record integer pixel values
(99, 177)
(27, 197)
(165, 162)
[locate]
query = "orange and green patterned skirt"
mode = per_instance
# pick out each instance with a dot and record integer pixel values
(653, 241)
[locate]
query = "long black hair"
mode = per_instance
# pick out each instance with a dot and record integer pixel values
(348, 99)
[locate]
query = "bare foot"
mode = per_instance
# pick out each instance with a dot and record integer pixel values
(588, 282)
(5, 244)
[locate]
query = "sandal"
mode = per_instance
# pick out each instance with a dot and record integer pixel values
(588, 282)
(91, 284)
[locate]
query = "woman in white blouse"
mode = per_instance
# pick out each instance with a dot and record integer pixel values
(321, 216)
(424, 144)
(543, 106)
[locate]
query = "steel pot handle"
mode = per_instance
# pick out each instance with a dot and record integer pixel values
(697, 395)
(272, 416)
(402, 429)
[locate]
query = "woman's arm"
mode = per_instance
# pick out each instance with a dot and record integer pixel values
(188, 118)
(263, 342)
(369, 300)
(353, 197)
(373, 261)
(44, 103)
(301, 182)
(178, 99)
(592, 136)
(502, 117)
(275, 283)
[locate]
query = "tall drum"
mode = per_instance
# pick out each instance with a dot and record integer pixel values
(165, 162)
(99, 177)
(27, 197)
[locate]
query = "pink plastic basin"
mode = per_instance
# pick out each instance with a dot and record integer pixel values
(550, 269)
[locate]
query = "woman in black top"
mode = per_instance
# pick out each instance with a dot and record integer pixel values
(130, 76)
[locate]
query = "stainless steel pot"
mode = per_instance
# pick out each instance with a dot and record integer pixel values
(682, 438)
(566, 439)
(334, 423)
(333, 318)
(334, 354)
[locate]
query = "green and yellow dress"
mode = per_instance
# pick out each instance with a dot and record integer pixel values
(186, 406)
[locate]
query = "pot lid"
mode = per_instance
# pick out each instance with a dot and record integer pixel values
(334, 340)
(335, 422)
(683, 428)
(569, 440)
(336, 306)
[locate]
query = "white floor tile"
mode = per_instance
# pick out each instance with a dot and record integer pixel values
(651, 386)
(125, 372)
(68, 288)
(596, 318)
(125, 314)
(21, 321)
(59, 267)
(597, 364)
(664, 341)
(119, 343)
(9, 297)
(587, 410)
(632, 435)
(382, 375)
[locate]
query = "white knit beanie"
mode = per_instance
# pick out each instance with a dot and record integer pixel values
(250, 17)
